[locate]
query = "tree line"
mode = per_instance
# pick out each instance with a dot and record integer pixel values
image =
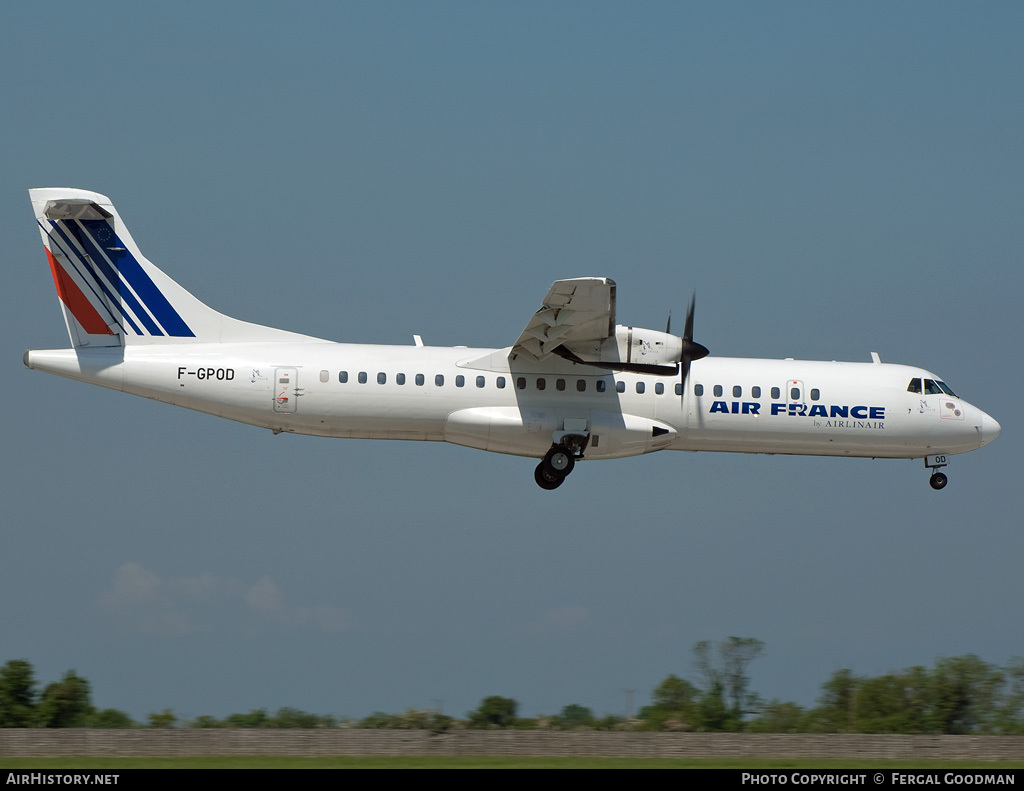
(961, 694)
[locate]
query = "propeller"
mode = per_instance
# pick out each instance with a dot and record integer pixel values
(691, 351)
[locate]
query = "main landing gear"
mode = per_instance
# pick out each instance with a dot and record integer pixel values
(554, 467)
(938, 479)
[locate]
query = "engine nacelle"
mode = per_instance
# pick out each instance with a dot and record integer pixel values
(632, 346)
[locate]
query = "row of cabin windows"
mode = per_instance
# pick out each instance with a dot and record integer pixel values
(419, 379)
(755, 392)
(600, 385)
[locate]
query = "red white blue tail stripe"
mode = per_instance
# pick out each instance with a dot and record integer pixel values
(103, 284)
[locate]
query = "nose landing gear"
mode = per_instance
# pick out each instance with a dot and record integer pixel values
(938, 479)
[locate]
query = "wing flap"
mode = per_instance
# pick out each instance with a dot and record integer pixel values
(574, 311)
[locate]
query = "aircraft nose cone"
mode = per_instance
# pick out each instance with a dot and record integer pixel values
(989, 429)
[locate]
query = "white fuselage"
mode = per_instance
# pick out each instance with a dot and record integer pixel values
(475, 397)
(574, 385)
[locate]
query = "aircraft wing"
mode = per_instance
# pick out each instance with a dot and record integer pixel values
(574, 311)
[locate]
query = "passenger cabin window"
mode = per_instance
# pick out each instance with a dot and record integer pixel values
(581, 385)
(620, 387)
(639, 387)
(362, 377)
(325, 376)
(815, 394)
(500, 382)
(439, 380)
(914, 386)
(601, 385)
(480, 381)
(776, 393)
(343, 377)
(559, 385)
(382, 378)
(521, 382)
(698, 390)
(794, 394)
(541, 384)
(420, 379)
(737, 391)
(400, 378)
(659, 388)
(755, 392)
(460, 380)
(718, 391)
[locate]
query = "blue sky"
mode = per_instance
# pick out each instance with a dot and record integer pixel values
(831, 179)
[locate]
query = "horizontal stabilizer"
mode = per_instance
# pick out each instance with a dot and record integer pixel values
(71, 209)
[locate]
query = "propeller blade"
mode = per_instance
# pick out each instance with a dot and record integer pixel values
(691, 349)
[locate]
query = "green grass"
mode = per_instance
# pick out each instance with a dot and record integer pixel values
(481, 762)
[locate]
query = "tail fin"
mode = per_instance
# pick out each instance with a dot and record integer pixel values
(110, 293)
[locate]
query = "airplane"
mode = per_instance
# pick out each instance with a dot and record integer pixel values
(574, 386)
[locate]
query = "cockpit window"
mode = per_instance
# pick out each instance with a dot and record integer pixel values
(930, 388)
(946, 390)
(915, 386)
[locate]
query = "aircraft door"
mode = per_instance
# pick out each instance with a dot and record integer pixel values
(796, 398)
(285, 389)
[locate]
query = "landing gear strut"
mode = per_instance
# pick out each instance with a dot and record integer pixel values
(938, 479)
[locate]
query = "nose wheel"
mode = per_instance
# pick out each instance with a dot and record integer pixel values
(933, 463)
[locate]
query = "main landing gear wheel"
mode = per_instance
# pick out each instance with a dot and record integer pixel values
(559, 461)
(556, 464)
(545, 479)
(938, 480)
